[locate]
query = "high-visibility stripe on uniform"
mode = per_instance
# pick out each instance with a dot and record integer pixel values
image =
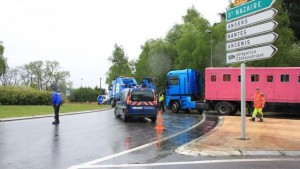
(257, 100)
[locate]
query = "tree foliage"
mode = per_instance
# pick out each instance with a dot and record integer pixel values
(284, 43)
(37, 74)
(293, 8)
(154, 61)
(120, 65)
(3, 64)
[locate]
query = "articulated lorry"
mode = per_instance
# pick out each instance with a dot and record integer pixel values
(280, 85)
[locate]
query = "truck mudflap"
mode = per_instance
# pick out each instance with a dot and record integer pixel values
(202, 106)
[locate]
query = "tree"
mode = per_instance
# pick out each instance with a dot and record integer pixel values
(190, 42)
(11, 77)
(284, 43)
(3, 64)
(35, 69)
(120, 65)
(293, 8)
(154, 61)
(38, 74)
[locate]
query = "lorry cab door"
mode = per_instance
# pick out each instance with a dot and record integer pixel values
(173, 85)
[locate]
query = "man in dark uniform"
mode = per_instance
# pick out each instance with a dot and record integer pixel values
(56, 102)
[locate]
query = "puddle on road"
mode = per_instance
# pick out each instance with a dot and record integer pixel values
(186, 137)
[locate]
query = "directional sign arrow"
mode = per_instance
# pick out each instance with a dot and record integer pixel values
(248, 8)
(254, 19)
(259, 53)
(251, 31)
(250, 42)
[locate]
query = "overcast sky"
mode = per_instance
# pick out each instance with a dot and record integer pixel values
(80, 34)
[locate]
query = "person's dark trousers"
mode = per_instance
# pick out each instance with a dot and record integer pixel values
(56, 113)
(162, 106)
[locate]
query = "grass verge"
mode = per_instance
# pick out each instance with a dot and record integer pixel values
(23, 111)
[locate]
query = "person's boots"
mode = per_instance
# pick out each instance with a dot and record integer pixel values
(261, 120)
(55, 122)
(252, 119)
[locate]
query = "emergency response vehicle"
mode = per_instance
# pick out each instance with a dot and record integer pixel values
(136, 103)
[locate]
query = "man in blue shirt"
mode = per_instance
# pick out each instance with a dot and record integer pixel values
(56, 102)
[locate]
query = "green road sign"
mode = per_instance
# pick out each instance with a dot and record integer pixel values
(248, 8)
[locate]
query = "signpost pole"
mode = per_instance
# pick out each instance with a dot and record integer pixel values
(243, 102)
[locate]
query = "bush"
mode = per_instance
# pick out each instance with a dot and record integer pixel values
(20, 95)
(84, 95)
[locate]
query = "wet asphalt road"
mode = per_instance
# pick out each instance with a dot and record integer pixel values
(82, 138)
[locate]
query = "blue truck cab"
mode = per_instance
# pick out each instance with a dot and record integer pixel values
(183, 91)
(118, 85)
(149, 82)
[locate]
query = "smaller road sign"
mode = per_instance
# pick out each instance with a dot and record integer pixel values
(254, 19)
(250, 42)
(251, 31)
(258, 53)
(248, 8)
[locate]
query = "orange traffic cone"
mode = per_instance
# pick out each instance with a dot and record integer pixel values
(159, 122)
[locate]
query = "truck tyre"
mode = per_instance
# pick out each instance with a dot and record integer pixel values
(200, 111)
(223, 108)
(175, 107)
(113, 102)
(124, 118)
(116, 114)
(153, 119)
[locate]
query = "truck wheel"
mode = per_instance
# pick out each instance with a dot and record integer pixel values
(124, 118)
(223, 108)
(153, 119)
(200, 111)
(175, 107)
(187, 111)
(116, 114)
(113, 102)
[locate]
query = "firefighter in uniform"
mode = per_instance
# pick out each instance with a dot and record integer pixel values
(259, 103)
(161, 100)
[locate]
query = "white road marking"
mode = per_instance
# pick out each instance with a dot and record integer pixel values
(136, 148)
(191, 163)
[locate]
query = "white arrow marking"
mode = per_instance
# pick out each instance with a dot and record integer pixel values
(252, 31)
(251, 42)
(254, 19)
(259, 53)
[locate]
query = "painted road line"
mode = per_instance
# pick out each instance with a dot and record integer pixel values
(193, 162)
(136, 148)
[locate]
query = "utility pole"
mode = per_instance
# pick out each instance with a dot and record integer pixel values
(100, 87)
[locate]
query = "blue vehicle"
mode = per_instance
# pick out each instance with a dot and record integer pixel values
(118, 85)
(149, 82)
(183, 90)
(136, 102)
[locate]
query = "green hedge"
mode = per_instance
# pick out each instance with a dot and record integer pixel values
(20, 95)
